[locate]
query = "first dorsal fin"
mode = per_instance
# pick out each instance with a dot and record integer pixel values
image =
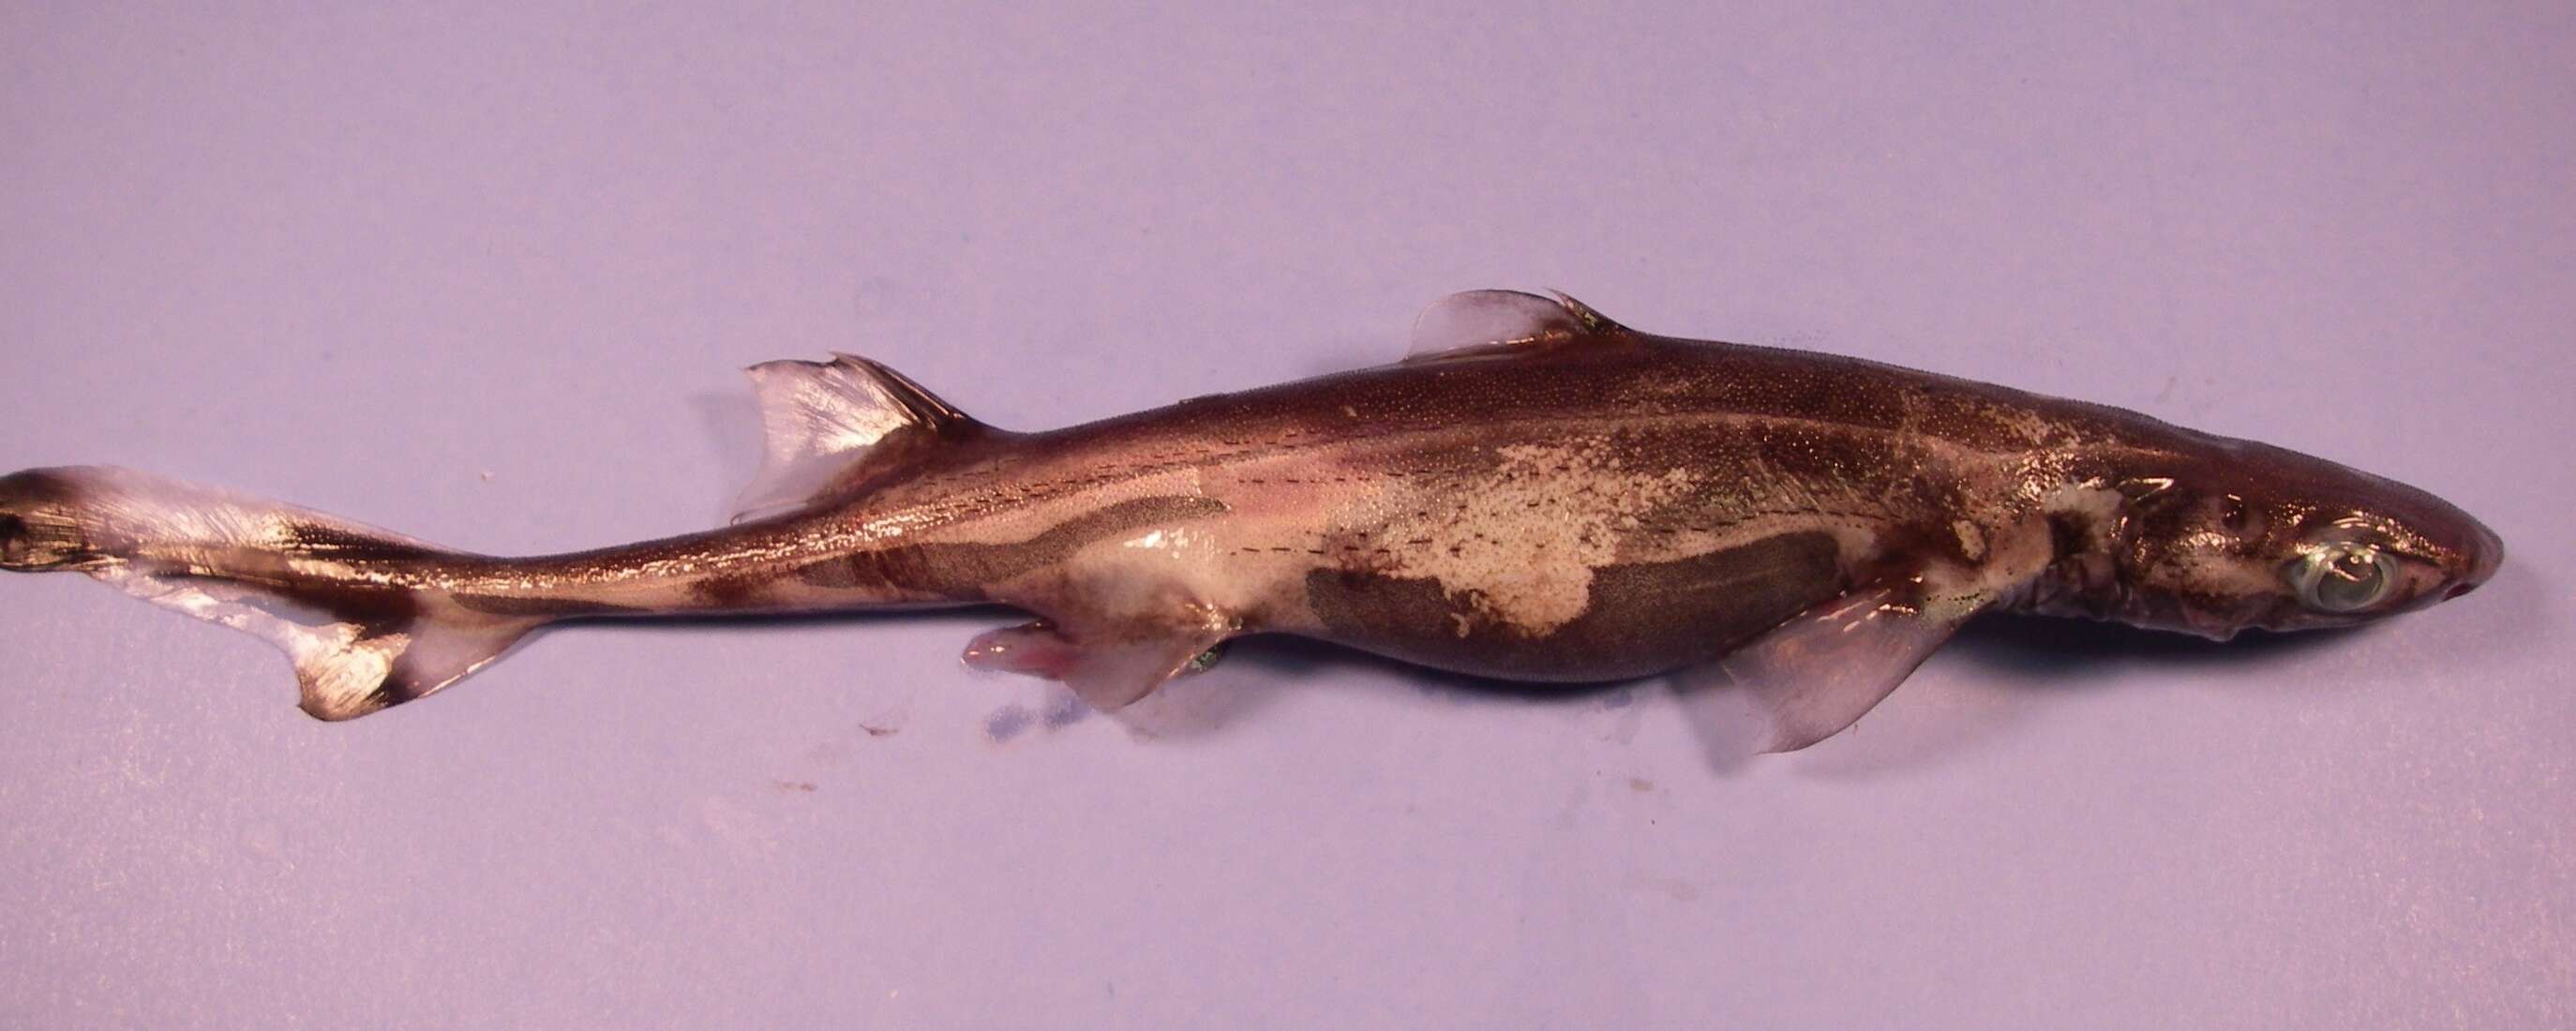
(1482, 323)
(829, 423)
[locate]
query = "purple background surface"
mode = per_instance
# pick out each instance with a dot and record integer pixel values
(484, 276)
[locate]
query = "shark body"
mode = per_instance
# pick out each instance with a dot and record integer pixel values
(1537, 493)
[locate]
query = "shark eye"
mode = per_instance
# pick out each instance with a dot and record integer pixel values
(2341, 578)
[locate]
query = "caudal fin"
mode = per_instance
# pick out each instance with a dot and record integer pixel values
(349, 604)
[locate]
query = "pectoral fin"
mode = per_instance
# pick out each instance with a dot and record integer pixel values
(1107, 669)
(1816, 674)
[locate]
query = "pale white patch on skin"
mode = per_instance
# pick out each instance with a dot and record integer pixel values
(2012, 556)
(1205, 572)
(1521, 550)
(2037, 429)
(2101, 504)
(1156, 540)
(1972, 541)
(2208, 559)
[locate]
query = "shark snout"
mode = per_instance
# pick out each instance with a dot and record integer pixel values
(2465, 550)
(2482, 555)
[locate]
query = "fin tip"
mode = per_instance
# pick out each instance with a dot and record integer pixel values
(1481, 323)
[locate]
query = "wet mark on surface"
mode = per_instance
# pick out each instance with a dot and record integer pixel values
(809, 766)
(1067, 711)
(1060, 710)
(1623, 730)
(1008, 722)
(888, 721)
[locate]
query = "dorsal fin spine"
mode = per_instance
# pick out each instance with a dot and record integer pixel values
(927, 410)
(1593, 321)
(1491, 323)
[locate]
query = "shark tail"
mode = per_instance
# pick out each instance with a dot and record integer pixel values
(347, 603)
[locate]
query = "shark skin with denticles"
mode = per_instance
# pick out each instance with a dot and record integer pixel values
(1536, 493)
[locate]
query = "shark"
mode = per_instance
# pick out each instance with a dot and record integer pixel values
(1534, 493)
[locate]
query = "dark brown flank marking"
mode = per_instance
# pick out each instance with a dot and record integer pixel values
(1643, 618)
(332, 542)
(952, 567)
(509, 605)
(728, 590)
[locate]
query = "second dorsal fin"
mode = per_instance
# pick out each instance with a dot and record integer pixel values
(1483, 323)
(828, 423)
